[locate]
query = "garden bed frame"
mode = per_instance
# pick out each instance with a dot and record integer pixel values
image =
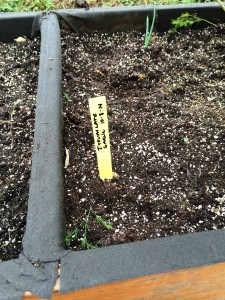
(190, 266)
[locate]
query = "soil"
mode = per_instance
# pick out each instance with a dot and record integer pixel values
(18, 83)
(166, 111)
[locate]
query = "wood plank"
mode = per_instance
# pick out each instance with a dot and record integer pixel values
(189, 284)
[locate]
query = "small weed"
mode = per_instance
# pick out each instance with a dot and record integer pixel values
(187, 20)
(148, 33)
(66, 96)
(80, 233)
(186, 139)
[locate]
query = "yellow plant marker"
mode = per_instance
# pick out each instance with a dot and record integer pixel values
(100, 129)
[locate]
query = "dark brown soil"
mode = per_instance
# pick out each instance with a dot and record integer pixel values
(18, 82)
(166, 108)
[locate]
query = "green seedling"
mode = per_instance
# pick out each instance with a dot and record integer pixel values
(148, 33)
(187, 20)
(80, 233)
(66, 96)
(186, 139)
(15, 105)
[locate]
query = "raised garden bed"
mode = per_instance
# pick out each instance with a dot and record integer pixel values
(122, 267)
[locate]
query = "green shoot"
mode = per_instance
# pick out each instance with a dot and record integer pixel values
(187, 20)
(106, 224)
(71, 235)
(186, 140)
(148, 33)
(81, 232)
(221, 4)
(66, 96)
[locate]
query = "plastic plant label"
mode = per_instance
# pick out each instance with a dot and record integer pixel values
(99, 119)
(20, 39)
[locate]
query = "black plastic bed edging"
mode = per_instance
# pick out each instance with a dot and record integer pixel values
(13, 25)
(43, 244)
(127, 18)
